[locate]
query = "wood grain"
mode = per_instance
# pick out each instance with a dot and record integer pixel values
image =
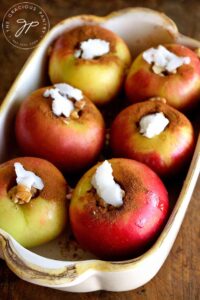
(179, 278)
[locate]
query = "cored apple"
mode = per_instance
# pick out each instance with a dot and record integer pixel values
(32, 216)
(166, 152)
(99, 76)
(180, 88)
(71, 143)
(128, 230)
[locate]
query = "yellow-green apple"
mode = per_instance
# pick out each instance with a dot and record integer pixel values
(119, 232)
(91, 58)
(180, 86)
(71, 142)
(165, 143)
(32, 212)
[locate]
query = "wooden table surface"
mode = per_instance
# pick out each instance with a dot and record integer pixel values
(179, 278)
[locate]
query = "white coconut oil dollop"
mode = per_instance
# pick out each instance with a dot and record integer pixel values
(27, 178)
(153, 124)
(163, 60)
(105, 185)
(92, 48)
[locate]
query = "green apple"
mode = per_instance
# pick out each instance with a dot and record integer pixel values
(100, 78)
(45, 216)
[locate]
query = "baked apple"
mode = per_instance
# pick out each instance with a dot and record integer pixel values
(154, 133)
(33, 205)
(171, 72)
(91, 58)
(60, 124)
(118, 209)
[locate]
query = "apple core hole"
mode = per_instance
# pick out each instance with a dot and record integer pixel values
(80, 113)
(165, 73)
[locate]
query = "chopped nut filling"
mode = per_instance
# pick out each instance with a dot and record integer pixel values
(80, 104)
(20, 194)
(75, 114)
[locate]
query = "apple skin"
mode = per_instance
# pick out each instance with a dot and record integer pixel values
(46, 215)
(166, 153)
(71, 147)
(101, 78)
(123, 232)
(181, 90)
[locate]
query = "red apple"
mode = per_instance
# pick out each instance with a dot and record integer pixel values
(167, 152)
(43, 217)
(71, 144)
(181, 90)
(124, 232)
(99, 78)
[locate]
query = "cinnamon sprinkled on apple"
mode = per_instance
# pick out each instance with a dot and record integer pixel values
(158, 106)
(131, 185)
(80, 34)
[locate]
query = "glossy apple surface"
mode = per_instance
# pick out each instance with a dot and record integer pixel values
(124, 232)
(182, 90)
(69, 144)
(100, 78)
(46, 215)
(165, 153)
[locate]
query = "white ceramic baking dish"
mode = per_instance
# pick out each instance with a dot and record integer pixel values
(56, 266)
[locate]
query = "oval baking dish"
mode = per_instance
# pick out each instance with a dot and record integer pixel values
(55, 264)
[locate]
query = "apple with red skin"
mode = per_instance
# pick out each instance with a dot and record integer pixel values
(166, 153)
(100, 78)
(46, 215)
(120, 232)
(181, 90)
(70, 144)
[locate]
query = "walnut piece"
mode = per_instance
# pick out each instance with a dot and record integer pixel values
(80, 104)
(20, 194)
(74, 115)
